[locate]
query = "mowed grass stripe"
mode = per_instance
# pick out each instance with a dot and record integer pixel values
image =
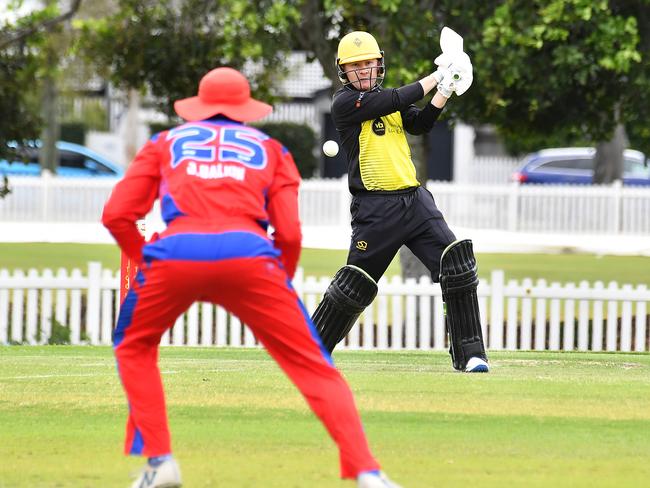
(563, 268)
(539, 419)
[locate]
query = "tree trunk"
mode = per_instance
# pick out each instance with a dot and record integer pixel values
(412, 267)
(312, 37)
(608, 161)
(131, 129)
(50, 133)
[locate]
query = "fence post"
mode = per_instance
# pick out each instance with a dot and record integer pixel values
(513, 205)
(611, 331)
(45, 181)
(31, 309)
(540, 318)
(17, 312)
(4, 309)
(298, 281)
(496, 309)
(93, 301)
(626, 321)
(617, 197)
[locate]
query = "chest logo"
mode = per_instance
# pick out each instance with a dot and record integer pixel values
(379, 127)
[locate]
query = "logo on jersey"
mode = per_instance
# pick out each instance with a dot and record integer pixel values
(362, 245)
(379, 127)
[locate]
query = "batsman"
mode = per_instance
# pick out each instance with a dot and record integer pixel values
(389, 207)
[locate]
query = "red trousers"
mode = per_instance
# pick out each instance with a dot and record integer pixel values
(257, 290)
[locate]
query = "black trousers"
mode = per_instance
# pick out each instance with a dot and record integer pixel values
(382, 222)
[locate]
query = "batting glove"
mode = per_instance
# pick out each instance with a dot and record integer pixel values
(446, 85)
(461, 71)
(440, 73)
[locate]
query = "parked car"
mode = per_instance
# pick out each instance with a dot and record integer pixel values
(575, 165)
(75, 161)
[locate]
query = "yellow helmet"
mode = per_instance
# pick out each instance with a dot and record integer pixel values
(358, 46)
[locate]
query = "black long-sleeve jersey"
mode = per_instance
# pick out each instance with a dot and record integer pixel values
(371, 126)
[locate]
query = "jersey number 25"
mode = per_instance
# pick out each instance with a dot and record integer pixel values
(235, 145)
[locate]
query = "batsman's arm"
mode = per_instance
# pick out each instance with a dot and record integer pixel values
(432, 81)
(351, 107)
(282, 207)
(420, 121)
(439, 100)
(131, 199)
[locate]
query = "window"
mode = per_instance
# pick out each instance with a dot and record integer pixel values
(27, 155)
(68, 159)
(636, 168)
(583, 164)
(72, 160)
(97, 167)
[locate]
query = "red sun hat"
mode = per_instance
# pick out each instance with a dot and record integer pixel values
(223, 91)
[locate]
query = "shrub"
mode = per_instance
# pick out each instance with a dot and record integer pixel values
(299, 139)
(74, 132)
(60, 334)
(156, 127)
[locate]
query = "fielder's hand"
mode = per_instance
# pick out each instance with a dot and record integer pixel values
(461, 72)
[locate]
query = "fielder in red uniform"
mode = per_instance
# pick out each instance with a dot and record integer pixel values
(220, 184)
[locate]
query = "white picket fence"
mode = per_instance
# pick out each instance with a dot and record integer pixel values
(491, 170)
(406, 315)
(574, 209)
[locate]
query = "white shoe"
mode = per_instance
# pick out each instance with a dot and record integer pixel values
(375, 480)
(477, 365)
(165, 475)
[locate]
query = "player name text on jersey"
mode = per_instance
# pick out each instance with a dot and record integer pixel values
(214, 171)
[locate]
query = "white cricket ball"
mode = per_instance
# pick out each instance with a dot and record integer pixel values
(330, 148)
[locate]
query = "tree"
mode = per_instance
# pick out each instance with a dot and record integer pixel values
(39, 22)
(163, 47)
(24, 47)
(19, 107)
(565, 71)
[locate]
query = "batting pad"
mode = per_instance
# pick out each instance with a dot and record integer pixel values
(350, 292)
(459, 281)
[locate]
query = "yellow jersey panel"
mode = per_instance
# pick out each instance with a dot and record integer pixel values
(384, 155)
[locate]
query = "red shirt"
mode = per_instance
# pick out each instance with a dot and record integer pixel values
(211, 176)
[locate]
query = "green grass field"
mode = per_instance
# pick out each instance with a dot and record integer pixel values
(318, 262)
(537, 420)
